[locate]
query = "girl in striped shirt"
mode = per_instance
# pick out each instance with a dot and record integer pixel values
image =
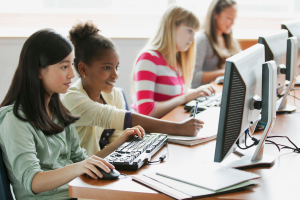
(163, 71)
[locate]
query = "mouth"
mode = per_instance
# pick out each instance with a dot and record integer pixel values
(110, 83)
(67, 84)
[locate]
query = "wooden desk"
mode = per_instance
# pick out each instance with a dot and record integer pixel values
(277, 182)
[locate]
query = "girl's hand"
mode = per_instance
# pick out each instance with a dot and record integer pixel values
(190, 127)
(88, 167)
(130, 132)
(204, 90)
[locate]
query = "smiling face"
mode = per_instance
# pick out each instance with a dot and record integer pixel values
(225, 19)
(57, 78)
(101, 75)
(184, 37)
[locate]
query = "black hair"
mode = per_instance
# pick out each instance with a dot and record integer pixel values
(43, 48)
(89, 44)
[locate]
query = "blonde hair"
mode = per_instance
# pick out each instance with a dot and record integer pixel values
(164, 41)
(210, 29)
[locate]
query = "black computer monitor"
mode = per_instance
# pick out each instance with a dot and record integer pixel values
(249, 85)
(293, 28)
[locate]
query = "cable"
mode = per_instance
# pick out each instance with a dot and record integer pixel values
(122, 175)
(267, 141)
(294, 97)
(161, 158)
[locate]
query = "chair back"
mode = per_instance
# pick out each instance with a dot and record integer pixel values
(126, 104)
(5, 192)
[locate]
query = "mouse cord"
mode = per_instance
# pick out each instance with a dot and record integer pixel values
(161, 158)
(122, 175)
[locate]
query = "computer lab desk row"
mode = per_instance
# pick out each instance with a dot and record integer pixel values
(281, 181)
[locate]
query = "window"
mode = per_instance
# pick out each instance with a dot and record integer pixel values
(132, 18)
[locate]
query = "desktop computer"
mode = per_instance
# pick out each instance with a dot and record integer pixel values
(249, 88)
(277, 46)
(293, 28)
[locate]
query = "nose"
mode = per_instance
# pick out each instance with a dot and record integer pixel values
(71, 73)
(115, 73)
(192, 38)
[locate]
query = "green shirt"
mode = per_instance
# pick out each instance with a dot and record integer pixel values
(27, 151)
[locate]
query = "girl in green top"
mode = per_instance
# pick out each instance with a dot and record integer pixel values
(40, 146)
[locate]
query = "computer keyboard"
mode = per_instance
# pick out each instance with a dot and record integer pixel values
(134, 154)
(207, 101)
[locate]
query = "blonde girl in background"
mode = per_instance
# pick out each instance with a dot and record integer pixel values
(163, 71)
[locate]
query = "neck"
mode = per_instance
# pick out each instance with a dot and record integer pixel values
(219, 33)
(47, 101)
(92, 92)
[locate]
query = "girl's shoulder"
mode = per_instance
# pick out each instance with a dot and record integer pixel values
(9, 120)
(151, 58)
(150, 55)
(113, 97)
(201, 37)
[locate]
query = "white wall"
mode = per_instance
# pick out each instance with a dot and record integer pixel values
(10, 49)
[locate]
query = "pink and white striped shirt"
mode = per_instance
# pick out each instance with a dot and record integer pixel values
(155, 81)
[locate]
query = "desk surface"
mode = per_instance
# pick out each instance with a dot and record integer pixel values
(277, 182)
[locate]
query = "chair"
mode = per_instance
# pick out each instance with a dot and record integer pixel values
(5, 192)
(126, 104)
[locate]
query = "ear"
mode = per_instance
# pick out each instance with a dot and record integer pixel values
(41, 71)
(216, 16)
(82, 69)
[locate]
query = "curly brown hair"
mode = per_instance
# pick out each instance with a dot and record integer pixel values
(89, 44)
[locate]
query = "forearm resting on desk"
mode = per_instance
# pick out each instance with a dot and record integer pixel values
(189, 127)
(212, 75)
(164, 107)
(49, 180)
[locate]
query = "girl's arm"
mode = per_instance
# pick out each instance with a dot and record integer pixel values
(189, 127)
(212, 75)
(165, 107)
(127, 134)
(49, 180)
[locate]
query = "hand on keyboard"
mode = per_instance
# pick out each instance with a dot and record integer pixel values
(204, 90)
(136, 131)
(190, 127)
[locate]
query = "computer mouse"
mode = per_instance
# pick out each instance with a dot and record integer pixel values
(219, 80)
(114, 174)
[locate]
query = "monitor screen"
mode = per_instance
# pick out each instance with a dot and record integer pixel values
(275, 49)
(293, 28)
(242, 84)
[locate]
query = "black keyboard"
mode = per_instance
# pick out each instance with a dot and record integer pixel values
(207, 101)
(134, 154)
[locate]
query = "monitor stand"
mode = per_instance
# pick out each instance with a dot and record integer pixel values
(243, 161)
(281, 104)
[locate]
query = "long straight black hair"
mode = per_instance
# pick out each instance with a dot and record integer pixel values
(43, 48)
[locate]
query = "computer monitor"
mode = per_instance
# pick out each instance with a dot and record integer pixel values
(249, 88)
(293, 28)
(291, 75)
(275, 49)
